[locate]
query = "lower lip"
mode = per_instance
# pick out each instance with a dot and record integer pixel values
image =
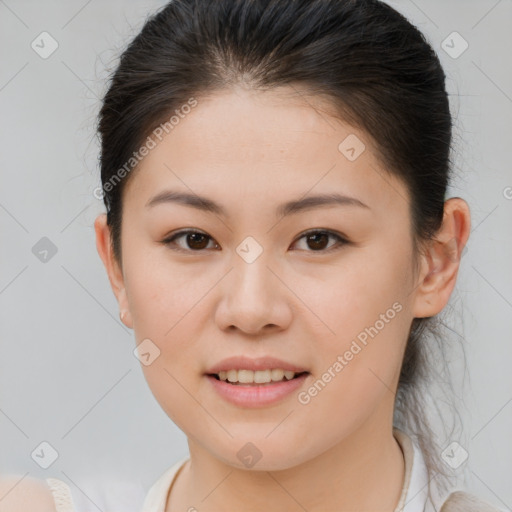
(258, 395)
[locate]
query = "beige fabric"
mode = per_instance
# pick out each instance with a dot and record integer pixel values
(61, 495)
(460, 501)
(156, 498)
(457, 501)
(408, 450)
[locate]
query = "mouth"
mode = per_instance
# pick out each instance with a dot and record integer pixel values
(244, 391)
(256, 382)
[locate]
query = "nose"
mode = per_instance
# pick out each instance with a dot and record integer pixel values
(254, 299)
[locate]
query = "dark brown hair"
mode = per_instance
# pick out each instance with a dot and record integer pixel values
(377, 70)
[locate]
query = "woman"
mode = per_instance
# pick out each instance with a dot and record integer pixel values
(277, 235)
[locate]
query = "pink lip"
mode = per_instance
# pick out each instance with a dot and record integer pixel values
(256, 395)
(246, 363)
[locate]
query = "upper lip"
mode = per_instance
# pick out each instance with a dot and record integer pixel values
(260, 363)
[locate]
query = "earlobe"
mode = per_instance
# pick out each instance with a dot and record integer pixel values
(441, 260)
(114, 272)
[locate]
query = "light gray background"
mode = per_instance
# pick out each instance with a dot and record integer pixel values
(68, 375)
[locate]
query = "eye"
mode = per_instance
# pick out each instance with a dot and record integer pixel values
(196, 240)
(317, 239)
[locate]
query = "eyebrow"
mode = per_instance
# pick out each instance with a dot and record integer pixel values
(288, 208)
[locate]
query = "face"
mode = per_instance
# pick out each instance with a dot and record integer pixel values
(325, 288)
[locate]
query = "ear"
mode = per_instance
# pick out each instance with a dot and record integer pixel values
(441, 259)
(114, 271)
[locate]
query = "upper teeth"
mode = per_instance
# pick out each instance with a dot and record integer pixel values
(258, 377)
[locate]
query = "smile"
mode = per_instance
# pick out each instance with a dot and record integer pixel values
(275, 385)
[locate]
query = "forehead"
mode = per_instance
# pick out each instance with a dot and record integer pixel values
(264, 145)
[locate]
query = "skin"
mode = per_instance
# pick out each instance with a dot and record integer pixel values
(251, 151)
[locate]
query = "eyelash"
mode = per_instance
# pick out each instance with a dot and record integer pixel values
(341, 240)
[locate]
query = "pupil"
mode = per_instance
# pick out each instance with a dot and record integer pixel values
(194, 237)
(315, 235)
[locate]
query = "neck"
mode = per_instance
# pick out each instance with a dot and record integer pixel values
(364, 472)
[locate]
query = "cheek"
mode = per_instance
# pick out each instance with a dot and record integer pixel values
(165, 309)
(161, 294)
(367, 308)
(362, 292)
(162, 308)
(359, 365)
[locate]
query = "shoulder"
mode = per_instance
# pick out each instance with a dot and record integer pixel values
(462, 501)
(25, 494)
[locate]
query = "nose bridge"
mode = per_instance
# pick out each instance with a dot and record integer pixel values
(251, 275)
(251, 295)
